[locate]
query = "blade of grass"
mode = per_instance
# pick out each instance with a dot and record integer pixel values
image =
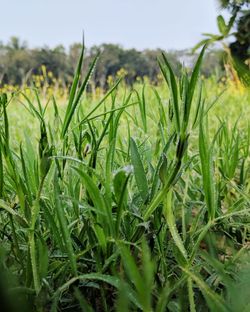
(139, 172)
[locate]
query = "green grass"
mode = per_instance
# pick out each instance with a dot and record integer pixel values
(136, 202)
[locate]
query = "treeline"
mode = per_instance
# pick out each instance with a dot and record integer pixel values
(18, 62)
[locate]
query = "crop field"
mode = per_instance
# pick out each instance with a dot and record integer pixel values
(134, 199)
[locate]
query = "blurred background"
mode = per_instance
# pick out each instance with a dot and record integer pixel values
(41, 40)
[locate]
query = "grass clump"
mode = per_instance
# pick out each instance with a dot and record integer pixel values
(129, 203)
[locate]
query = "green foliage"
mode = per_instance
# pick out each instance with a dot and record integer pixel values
(135, 201)
(238, 52)
(19, 64)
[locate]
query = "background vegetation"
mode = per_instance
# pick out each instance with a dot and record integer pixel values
(18, 63)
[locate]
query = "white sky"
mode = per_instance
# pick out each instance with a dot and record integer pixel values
(166, 24)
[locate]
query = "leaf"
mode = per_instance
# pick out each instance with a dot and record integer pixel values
(43, 257)
(222, 25)
(200, 44)
(105, 214)
(73, 103)
(131, 268)
(169, 76)
(193, 82)
(191, 295)
(75, 80)
(215, 302)
(142, 106)
(64, 226)
(139, 172)
(163, 170)
(87, 117)
(143, 295)
(21, 220)
(207, 172)
(120, 187)
(111, 280)
(242, 71)
(169, 216)
(1, 169)
(231, 22)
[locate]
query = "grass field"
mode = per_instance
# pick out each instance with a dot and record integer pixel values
(136, 200)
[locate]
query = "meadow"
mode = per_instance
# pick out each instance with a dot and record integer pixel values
(133, 199)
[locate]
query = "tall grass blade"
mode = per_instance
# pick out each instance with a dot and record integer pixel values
(73, 105)
(139, 172)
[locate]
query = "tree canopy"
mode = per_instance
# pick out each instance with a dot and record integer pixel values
(240, 48)
(18, 62)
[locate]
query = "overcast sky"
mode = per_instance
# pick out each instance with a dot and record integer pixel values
(166, 24)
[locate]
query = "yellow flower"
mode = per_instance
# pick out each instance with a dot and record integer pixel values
(121, 73)
(110, 80)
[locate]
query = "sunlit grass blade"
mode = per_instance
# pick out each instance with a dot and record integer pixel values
(169, 76)
(193, 81)
(87, 117)
(73, 105)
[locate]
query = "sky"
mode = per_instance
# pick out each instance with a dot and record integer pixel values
(140, 24)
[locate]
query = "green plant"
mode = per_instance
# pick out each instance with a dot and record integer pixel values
(125, 203)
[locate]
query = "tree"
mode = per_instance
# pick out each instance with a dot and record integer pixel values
(15, 44)
(74, 54)
(241, 47)
(16, 61)
(240, 9)
(238, 52)
(55, 60)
